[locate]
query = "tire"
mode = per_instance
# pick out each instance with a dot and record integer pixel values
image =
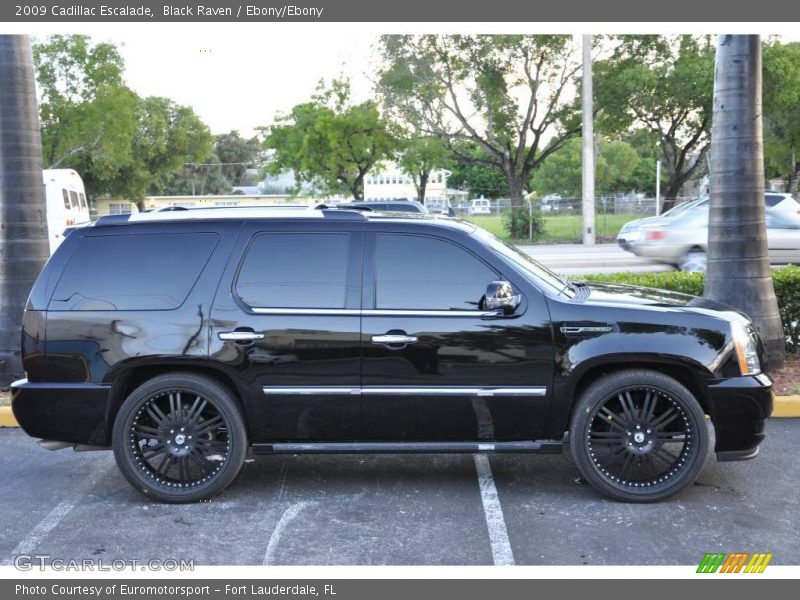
(170, 464)
(638, 436)
(695, 261)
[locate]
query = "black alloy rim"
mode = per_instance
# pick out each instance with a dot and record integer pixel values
(641, 438)
(179, 439)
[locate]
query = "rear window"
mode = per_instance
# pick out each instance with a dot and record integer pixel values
(73, 198)
(65, 193)
(133, 272)
(773, 199)
(83, 201)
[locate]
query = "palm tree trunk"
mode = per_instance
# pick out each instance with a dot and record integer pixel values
(738, 266)
(23, 220)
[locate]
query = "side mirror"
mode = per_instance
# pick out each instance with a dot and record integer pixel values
(501, 295)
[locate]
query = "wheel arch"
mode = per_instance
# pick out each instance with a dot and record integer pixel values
(688, 373)
(131, 376)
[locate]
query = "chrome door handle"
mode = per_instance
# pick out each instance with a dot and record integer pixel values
(394, 339)
(240, 336)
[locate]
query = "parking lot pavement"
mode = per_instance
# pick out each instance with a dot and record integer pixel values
(400, 509)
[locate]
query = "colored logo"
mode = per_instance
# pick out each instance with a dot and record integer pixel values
(737, 562)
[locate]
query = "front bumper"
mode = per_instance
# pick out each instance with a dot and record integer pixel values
(739, 408)
(64, 412)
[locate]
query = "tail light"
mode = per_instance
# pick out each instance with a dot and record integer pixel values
(656, 235)
(70, 222)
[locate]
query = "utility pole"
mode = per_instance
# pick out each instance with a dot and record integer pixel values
(658, 187)
(587, 206)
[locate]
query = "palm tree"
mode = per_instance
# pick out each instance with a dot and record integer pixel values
(23, 219)
(738, 266)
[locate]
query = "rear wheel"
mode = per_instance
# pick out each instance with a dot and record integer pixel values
(695, 261)
(180, 438)
(638, 436)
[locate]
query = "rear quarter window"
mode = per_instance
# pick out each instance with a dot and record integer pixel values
(133, 272)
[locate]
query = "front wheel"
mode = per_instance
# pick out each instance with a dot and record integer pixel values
(180, 438)
(638, 436)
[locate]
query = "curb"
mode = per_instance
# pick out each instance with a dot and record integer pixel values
(7, 417)
(784, 407)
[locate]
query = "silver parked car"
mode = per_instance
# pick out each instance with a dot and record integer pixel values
(683, 241)
(632, 231)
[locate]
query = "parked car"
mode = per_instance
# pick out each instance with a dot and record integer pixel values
(440, 207)
(479, 206)
(683, 241)
(632, 231)
(551, 203)
(183, 340)
(411, 206)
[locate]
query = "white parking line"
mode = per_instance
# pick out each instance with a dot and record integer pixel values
(495, 522)
(286, 518)
(53, 518)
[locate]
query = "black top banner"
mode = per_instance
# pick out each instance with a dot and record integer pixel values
(453, 11)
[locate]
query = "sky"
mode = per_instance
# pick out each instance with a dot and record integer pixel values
(241, 81)
(241, 77)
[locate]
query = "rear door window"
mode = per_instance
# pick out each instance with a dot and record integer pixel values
(133, 272)
(295, 270)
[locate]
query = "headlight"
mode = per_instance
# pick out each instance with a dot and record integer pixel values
(746, 353)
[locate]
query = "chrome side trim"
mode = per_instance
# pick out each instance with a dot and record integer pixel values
(454, 391)
(405, 390)
(307, 311)
(335, 390)
(371, 312)
(425, 313)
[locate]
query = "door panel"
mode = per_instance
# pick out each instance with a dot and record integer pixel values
(297, 306)
(461, 376)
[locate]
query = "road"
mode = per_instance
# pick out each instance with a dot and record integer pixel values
(398, 509)
(577, 259)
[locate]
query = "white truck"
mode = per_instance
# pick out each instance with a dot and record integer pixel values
(66, 203)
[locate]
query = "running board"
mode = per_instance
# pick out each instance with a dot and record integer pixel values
(538, 446)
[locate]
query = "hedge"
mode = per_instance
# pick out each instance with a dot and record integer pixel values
(786, 281)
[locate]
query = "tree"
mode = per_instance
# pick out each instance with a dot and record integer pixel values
(615, 165)
(505, 94)
(738, 265)
(23, 235)
(330, 140)
(88, 115)
(477, 178)
(168, 136)
(781, 99)
(419, 157)
(664, 84)
(236, 154)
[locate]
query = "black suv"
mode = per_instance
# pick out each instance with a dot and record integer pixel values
(185, 340)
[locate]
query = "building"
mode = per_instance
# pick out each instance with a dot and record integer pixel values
(390, 183)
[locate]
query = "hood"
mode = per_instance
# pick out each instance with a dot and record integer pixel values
(630, 295)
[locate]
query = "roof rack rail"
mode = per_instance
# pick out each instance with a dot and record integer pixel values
(342, 207)
(231, 212)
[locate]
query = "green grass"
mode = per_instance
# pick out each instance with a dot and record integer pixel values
(558, 228)
(5, 399)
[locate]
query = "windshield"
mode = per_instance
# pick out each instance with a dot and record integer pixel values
(527, 264)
